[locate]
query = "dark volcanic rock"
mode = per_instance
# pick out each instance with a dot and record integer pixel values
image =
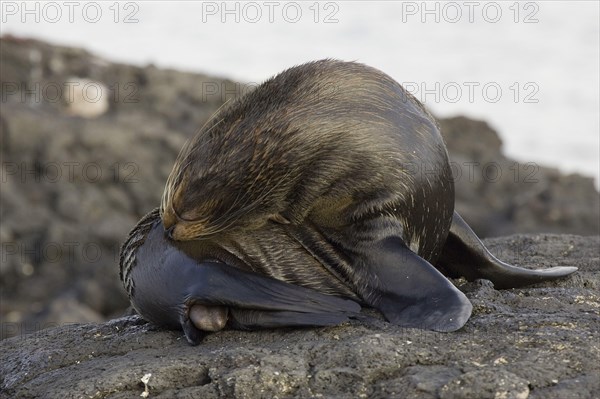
(535, 342)
(500, 196)
(73, 186)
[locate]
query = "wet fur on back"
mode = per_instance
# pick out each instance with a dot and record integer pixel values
(329, 141)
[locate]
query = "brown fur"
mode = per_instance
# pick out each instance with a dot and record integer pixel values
(329, 142)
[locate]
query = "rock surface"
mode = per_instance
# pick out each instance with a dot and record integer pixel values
(536, 342)
(500, 196)
(72, 187)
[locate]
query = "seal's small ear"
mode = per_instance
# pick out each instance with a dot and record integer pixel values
(410, 292)
(273, 303)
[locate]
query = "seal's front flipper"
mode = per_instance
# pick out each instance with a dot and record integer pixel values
(409, 291)
(465, 255)
(221, 284)
(218, 292)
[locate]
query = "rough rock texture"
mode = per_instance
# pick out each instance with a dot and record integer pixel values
(72, 187)
(499, 196)
(537, 342)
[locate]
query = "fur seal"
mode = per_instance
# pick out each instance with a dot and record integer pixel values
(306, 181)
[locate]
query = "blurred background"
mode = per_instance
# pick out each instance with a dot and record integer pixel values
(98, 98)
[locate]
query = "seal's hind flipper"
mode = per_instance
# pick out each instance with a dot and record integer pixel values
(465, 255)
(410, 292)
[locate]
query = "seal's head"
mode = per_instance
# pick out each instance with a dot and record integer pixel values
(227, 177)
(243, 168)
